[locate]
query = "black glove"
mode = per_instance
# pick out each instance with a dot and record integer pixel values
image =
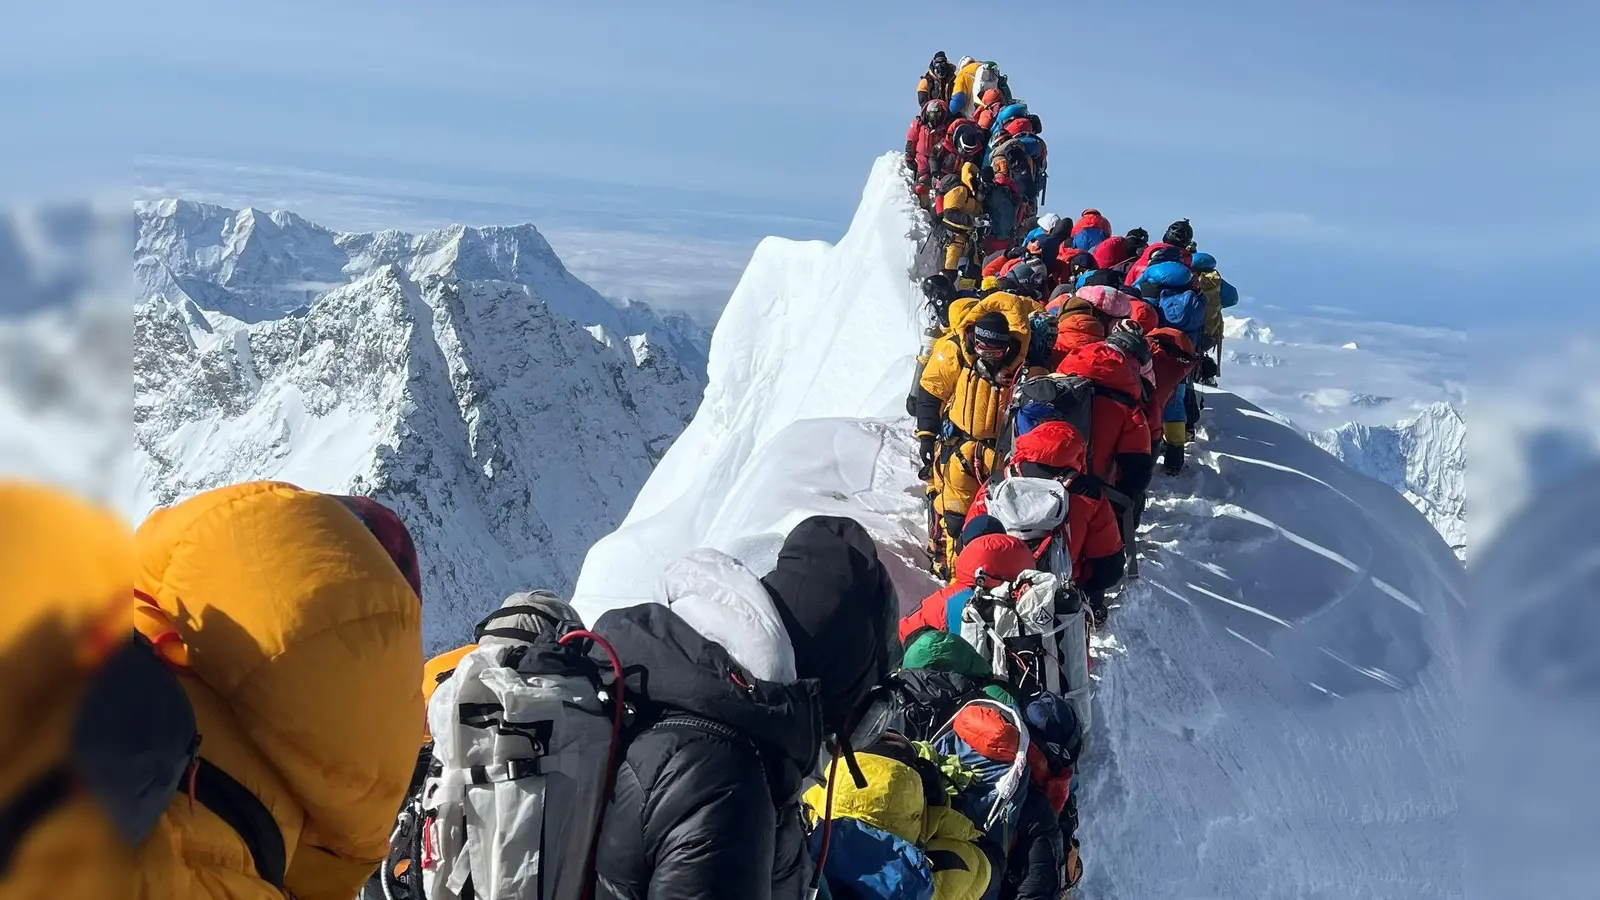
(1209, 370)
(926, 450)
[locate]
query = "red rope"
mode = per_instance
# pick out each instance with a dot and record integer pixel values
(827, 822)
(611, 754)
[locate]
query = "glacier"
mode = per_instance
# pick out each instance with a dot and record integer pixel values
(506, 410)
(1279, 695)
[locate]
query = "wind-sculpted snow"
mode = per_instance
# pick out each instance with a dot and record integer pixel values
(816, 347)
(509, 430)
(1283, 721)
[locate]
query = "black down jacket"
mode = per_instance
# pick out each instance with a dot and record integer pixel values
(706, 801)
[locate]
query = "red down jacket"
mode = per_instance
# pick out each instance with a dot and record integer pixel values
(922, 148)
(1121, 431)
(999, 555)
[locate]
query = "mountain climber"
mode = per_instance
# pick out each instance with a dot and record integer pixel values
(936, 83)
(964, 142)
(1115, 254)
(1086, 315)
(1025, 840)
(961, 95)
(1120, 443)
(1090, 230)
(1036, 246)
(1000, 557)
(959, 208)
(1019, 159)
(1054, 729)
(899, 832)
(291, 624)
(1210, 284)
(923, 140)
(1053, 450)
(746, 681)
(519, 619)
(962, 401)
(1173, 361)
(990, 102)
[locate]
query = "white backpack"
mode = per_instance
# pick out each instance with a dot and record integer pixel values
(1043, 605)
(525, 738)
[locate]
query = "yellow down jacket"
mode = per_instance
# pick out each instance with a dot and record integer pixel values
(66, 568)
(895, 802)
(303, 645)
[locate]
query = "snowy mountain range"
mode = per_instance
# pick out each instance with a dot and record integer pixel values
(508, 411)
(1387, 399)
(1277, 705)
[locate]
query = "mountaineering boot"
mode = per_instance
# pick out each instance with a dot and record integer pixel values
(1171, 458)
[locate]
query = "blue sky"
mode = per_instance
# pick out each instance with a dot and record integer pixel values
(1410, 160)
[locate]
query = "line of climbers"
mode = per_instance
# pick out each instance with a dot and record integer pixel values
(244, 719)
(1122, 327)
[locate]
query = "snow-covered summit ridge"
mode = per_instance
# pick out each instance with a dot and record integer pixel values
(438, 373)
(809, 367)
(1283, 723)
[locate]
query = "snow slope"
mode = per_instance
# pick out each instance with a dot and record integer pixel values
(1282, 721)
(463, 377)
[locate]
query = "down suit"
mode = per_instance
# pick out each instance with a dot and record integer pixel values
(961, 401)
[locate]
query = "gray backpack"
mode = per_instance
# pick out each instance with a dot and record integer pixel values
(525, 738)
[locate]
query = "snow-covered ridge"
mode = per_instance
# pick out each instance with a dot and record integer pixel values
(507, 411)
(1283, 723)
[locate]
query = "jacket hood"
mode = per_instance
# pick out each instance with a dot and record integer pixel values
(1111, 251)
(727, 603)
(1104, 366)
(1054, 444)
(1091, 218)
(1015, 308)
(838, 606)
(681, 668)
(999, 555)
(1077, 327)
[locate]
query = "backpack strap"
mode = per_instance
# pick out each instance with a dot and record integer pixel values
(28, 808)
(1120, 397)
(234, 804)
(214, 789)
